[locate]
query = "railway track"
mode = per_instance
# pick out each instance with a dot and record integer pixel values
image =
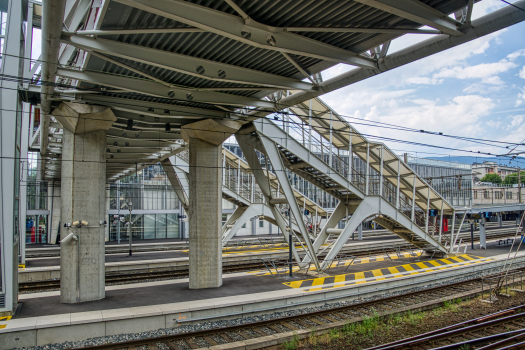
(501, 330)
(183, 273)
(36, 253)
(279, 330)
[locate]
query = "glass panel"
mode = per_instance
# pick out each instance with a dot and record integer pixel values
(149, 226)
(36, 229)
(161, 226)
(172, 226)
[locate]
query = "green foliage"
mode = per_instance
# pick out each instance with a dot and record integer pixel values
(513, 178)
(494, 178)
(292, 344)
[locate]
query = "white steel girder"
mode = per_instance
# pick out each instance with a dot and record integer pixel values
(195, 66)
(236, 215)
(275, 159)
(243, 214)
(248, 31)
(246, 143)
(175, 181)
(418, 12)
(153, 88)
(279, 136)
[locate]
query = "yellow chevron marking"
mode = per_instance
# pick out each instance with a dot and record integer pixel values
(455, 258)
(340, 278)
(410, 269)
(469, 257)
(294, 284)
(393, 271)
(435, 263)
(378, 273)
(359, 276)
(423, 266)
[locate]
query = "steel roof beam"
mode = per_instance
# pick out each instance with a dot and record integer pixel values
(202, 68)
(144, 135)
(248, 31)
(154, 109)
(138, 31)
(418, 12)
(362, 30)
(156, 89)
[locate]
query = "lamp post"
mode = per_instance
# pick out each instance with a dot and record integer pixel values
(130, 236)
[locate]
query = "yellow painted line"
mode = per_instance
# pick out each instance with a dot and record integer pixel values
(339, 278)
(379, 274)
(20, 266)
(409, 269)
(466, 256)
(359, 276)
(294, 284)
(364, 260)
(423, 266)
(446, 261)
(5, 318)
(456, 259)
(435, 263)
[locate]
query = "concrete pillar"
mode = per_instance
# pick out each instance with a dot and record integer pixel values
(360, 232)
(205, 199)
(83, 194)
(56, 210)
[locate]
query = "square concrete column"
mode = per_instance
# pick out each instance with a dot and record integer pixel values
(205, 200)
(205, 219)
(83, 194)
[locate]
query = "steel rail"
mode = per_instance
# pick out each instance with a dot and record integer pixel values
(410, 297)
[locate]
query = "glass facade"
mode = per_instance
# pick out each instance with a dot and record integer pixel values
(36, 229)
(155, 206)
(144, 226)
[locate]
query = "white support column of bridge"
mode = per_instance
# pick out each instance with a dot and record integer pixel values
(83, 197)
(413, 215)
(205, 138)
(482, 235)
(280, 172)
(360, 232)
(247, 146)
(56, 210)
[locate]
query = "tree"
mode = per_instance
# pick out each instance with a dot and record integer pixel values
(513, 178)
(494, 178)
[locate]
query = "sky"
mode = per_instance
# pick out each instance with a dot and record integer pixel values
(474, 90)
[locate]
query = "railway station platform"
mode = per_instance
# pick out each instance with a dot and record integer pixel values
(48, 268)
(135, 308)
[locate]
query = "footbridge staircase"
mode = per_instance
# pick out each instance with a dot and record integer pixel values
(240, 188)
(370, 181)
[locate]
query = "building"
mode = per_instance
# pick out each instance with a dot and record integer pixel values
(488, 193)
(452, 180)
(487, 167)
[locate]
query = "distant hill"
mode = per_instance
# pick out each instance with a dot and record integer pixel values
(518, 162)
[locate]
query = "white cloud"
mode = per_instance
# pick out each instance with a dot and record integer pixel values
(485, 71)
(522, 73)
(513, 56)
(521, 98)
(494, 124)
(482, 89)
(424, 81)
(515, 122)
